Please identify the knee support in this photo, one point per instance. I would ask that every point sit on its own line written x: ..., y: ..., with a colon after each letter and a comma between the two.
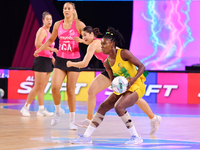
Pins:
x: 97, y: 119
x: 126, y: 118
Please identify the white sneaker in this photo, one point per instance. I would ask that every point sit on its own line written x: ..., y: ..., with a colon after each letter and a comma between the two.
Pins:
x: 134, y: 140
x: 25, y: 112
x: 72, y: 126
x: 82, y: 140
x: 155, y: 124
x: 56, y: 117
x: 44, y: 112
x: 83, y: 124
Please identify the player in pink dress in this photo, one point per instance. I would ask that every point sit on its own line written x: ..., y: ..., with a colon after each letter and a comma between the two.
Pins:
x: 42, y: 67
x: 66, y: 30
x: 102, y: 81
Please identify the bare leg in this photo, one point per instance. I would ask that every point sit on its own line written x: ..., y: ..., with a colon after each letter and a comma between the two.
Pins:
x: 100, y: 83
x: 127, y: 100
x: 97, y: 119
x: 108, y: 104
x: 56, y: 83
x: 72, y: 78
x: 155, y: 119
x: 103, y: 108
x: 38, y: 86
x: 41, y: 92
x: 145, y: 108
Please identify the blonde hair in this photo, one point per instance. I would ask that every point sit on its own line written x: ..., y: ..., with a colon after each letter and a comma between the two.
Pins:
x: 75, y: 15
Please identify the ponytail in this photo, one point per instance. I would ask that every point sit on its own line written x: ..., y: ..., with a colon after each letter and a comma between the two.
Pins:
x: 75, y: 15
x: 95, y: 31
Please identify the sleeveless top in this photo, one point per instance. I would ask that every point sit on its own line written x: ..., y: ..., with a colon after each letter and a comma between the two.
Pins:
x: 68, y: 48
x: 126, y: 69
x: 101, y: 56
x: 46, y: 53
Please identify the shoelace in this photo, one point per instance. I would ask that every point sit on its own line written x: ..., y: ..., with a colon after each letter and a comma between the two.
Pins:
x: 154, y: 123
x: 83, y: 138
x: 81, y: 135
x: 56, y: 116
x: 133, y: 137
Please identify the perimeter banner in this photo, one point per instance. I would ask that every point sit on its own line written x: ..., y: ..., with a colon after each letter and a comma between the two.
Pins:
x: 161, y: 87
x: 21, y: 82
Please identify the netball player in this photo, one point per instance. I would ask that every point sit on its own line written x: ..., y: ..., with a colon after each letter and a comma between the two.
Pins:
x: 66, y: 30
x: 102, y: 81
x: 119, y: 62
x: 42, y: 67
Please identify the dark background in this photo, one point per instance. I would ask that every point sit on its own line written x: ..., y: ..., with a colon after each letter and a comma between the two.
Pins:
x: 97, y: 14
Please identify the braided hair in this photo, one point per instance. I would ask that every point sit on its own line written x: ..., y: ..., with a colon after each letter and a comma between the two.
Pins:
x: 96, y: 31
x: 114, y: 35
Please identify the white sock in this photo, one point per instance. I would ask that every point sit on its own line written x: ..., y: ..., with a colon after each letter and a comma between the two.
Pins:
x: 28, y: 105
x: 41, y: 107
x: 154, y: 118
x: 58, y: 108
x: 71, y: 116
x: 89, y: 131
x: 133, y: 131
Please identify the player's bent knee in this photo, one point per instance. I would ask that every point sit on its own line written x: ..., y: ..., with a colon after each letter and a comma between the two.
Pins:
x: 91, y: 92
x: 102, y: 106
x: 119, y: 110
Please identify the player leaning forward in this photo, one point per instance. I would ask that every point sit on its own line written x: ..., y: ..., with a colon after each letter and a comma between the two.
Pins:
x: 120, y: 62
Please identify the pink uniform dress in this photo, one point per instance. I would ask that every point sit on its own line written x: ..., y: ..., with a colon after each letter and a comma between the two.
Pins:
x: 46, y: 53
x: 101, y: 56
x: 68, y: 48
x: 43, y: 63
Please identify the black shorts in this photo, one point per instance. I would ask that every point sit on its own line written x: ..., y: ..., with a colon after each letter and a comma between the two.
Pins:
x: 42, y: 64
x: 105, y: 73
x: 61, y: 64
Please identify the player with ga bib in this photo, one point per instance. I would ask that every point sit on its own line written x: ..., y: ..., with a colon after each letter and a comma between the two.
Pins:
x: 66, y: 30
x: 102, y: 81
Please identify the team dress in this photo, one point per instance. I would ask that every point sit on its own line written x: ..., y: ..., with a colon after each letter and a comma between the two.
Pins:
x: 43, y: 63
x: 68, y: 47
x: 102, y: 57
x: 127, y: 69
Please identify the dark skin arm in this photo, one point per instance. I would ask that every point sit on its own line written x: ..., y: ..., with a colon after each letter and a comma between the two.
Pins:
x: 128, y: 56
x: 109, y: 70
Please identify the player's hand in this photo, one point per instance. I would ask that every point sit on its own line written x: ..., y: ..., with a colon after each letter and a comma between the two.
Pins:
x: 68, y: 63
x: 36, y: 53
x: 53, y: 61
x: 130, y: 81
x: 79, y: 40
x: 55, y: 50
